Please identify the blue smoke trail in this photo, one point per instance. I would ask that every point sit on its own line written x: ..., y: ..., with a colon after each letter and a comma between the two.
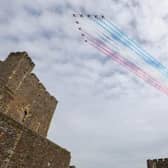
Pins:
x: 119, y: 36
x: 112, y: 42
x: 131, y: 43
x: 101, y: 46
x: 115, y: 44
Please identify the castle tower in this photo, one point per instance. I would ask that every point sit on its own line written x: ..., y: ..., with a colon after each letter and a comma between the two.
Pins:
x: 26, y: 110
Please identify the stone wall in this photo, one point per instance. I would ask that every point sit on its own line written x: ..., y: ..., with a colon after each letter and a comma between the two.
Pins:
x: 22, y: 148
x: 26, y: 110
x: 22, y: 96
x: 157, y: 163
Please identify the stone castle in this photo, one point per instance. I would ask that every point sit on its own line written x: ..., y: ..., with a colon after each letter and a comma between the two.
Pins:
x: 26, y: 110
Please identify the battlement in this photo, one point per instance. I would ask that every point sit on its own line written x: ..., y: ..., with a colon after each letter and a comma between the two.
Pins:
x: 22, y: 96
x: 157, y: 163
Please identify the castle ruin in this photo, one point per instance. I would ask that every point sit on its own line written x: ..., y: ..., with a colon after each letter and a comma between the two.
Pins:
x: 26, y: 110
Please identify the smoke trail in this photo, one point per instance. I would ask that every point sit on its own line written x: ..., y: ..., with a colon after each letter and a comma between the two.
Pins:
x: 115, y: 46
x: 119, y: 36
x: 96, y: 43
x: 100, y: 44
x: 125, y: 52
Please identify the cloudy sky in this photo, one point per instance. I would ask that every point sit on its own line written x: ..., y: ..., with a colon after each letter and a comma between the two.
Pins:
x: 106, y: 116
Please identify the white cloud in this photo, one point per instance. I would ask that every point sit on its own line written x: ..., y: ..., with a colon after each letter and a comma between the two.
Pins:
x: 106, y: 117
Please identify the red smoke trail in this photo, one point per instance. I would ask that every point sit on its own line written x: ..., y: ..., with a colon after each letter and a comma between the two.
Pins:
x: 96, y: 43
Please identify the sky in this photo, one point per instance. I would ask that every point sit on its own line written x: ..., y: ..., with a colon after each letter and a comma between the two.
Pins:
x: 106, y: 117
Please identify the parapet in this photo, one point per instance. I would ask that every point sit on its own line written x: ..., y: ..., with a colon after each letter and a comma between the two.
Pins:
x: 22, y: 96
x: 157, y: 163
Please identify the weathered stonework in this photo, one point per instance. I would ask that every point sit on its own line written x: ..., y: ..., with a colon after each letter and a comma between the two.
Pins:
x: 26, y: 109
x: 22, y: 96
x: 22, y: 148
x: 157, y: 163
